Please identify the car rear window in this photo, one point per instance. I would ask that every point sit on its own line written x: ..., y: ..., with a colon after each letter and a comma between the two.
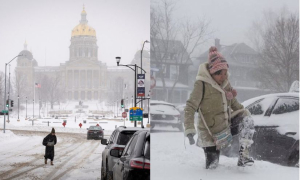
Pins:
x: 95, y: 128
x: 124, y: 137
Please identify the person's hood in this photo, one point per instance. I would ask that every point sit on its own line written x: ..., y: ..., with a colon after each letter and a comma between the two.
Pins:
x: 204, y: 75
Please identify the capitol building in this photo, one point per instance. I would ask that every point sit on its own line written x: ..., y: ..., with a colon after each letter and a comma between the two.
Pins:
x: 82, y: 77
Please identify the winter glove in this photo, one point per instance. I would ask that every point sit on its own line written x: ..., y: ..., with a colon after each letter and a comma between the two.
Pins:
x: 234, y: 93
x: 191, y: 139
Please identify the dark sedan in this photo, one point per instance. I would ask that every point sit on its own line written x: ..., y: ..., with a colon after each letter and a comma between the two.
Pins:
x: 95, y: 132
x: 134, y: 163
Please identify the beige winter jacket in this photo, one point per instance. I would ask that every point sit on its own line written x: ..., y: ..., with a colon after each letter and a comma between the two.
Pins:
x: 214, y: 107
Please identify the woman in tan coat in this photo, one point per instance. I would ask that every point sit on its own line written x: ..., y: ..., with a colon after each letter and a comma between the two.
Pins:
x: 214, y: 99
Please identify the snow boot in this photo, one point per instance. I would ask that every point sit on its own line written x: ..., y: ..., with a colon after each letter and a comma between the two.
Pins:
x: 52, y: 163
x: 212, y: 157
x: 45, y: 161
x: 244, y: 157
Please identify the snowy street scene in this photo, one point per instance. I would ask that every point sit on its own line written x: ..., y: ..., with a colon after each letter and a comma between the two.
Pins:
x: 90, y: 89
x: 76, y: 157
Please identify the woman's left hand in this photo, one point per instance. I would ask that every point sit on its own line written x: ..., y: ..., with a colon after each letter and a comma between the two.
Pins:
x: 234, y: 93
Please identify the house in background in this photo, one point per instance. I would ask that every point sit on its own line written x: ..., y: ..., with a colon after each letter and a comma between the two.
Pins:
x: 171, y: 61
x: 242, y: 61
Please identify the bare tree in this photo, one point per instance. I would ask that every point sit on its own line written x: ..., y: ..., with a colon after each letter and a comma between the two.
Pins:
x: 51, y: 89
x: 1, y: 88
x: 276, y: 39
x: 21, y: 85
x: 173, y: 40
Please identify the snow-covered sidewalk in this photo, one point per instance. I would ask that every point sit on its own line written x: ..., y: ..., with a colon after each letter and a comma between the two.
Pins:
x: 170, y: 160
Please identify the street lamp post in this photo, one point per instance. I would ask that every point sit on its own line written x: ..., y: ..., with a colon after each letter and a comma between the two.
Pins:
x: 118, y: 59
x: 26, y: 107
x: 18, y: 107
x: 141, y: 70
x: 40, y: 108
x: 148, y: 107
x: 4, y: 99
x: 32, y: 111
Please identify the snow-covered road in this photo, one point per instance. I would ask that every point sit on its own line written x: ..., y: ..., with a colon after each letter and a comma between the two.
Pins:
x: 75, y: 157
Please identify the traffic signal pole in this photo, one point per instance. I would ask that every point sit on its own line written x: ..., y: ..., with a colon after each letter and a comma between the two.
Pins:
x: 4, y: 99
x: 4, y: 104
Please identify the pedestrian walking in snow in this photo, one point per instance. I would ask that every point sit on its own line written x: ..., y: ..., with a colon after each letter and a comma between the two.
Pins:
x: 49, y: 141
x: 220, y: 114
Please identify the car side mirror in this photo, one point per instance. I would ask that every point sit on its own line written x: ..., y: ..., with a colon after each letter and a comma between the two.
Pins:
x: 123, y: 158
x: 87, y: 128
x: 104, y: 141
x: 115, y: 153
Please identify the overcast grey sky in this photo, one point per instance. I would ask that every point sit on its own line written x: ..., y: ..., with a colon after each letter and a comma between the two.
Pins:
x: 121, y: 27
x: 230, y: 19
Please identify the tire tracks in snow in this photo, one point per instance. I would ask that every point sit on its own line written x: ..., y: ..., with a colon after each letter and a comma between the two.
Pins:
x: 83, y: 159
x: 26, y: 164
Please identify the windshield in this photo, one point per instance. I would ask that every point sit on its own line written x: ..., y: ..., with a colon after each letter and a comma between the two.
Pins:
x: 95, y: 128
x: 124, y: 137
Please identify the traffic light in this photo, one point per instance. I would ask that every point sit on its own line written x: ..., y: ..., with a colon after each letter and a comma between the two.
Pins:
x: 7, y: 103
x: 122, y: 103
x: 11, y: 103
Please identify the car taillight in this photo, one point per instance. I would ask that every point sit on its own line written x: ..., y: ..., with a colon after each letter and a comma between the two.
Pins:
x: 147, y: 166
x: 139, y: 164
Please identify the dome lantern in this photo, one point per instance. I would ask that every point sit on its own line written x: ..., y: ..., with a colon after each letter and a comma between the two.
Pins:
x: 83, y: 29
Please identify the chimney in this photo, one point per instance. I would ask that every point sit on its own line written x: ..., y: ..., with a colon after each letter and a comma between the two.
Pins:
x: 217, y: 44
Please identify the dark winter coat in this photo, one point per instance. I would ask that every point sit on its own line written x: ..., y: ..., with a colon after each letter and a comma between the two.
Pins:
x: 214, y: 107
x: 49, y: 152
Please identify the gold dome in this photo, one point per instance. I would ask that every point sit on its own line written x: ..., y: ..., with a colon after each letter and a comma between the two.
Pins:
x: 83, y: 30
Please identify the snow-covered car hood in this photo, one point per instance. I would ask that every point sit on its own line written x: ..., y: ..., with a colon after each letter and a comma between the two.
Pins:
x: 163, y: 109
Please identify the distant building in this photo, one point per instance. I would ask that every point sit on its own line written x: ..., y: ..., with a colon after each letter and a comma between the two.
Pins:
x: 82, y: 77
x: 242, y: 61
x: 171, y: 61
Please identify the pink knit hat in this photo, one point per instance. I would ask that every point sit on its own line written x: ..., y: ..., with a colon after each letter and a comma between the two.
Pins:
x: 216, y: 61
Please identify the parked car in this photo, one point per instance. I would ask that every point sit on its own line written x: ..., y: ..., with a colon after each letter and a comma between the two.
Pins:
x: 117, y: 141
x: 134, y: 163
x: 95, y: 132
x: 165, y: 114
x: 276, y: 137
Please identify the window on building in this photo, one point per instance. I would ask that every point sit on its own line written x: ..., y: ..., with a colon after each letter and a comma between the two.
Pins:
x: 89, y: 95
x: 76, y: 78
x: 174, y: 72
x: 184, y: 96
x: 76, y: 95
x: 82, y: 78
x: 82, y: 95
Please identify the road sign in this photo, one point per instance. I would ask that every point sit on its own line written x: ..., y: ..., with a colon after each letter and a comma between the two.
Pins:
x: 136, y: 114
x: 124, y: 115
x: 4, y: 111
x: 141, y: 85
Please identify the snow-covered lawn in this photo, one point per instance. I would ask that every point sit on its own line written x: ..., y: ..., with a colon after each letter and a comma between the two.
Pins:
x: 170, y: 160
